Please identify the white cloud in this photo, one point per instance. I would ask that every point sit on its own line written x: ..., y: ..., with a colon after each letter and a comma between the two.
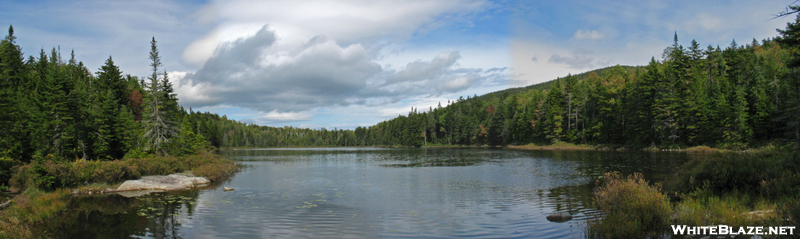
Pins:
x: 250, y: 73
x: 591, y: 35
x: 275, y: 116
x: 346, y: 22
x: 257, y: 74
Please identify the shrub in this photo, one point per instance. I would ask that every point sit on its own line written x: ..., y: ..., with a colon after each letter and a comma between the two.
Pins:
x: 49, y: 174
x: 767, y: 173
x: 6, y: 168
x: 156, y: 165
x: 632, y: 207
x: 735, y: 210
x: 32, y: 175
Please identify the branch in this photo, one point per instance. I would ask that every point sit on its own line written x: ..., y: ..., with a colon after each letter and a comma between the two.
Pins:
x: 788, y: 11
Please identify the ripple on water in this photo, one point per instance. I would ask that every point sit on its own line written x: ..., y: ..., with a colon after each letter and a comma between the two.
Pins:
x: 439, y: 193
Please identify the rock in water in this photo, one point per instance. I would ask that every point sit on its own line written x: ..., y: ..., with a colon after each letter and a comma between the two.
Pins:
x: 166, y: 183
x: 559, y: 217
x: 227, y: 189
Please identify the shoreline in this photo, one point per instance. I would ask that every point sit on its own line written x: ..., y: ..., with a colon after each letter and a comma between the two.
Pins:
x: 31, y: 205
x: 556, y: 146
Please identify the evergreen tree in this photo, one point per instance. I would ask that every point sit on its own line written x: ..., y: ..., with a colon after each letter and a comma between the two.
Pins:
x: 159, y: 124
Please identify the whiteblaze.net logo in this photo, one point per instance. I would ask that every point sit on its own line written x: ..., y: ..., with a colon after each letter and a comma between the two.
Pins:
x: 728, y: 230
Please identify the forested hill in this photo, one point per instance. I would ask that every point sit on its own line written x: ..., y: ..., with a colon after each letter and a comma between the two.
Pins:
x: 549, y: 84
x: 734, y: 97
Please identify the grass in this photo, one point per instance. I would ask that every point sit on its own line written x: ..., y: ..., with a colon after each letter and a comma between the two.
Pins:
x: 754, y: 188
x: 633, y: 209
x: 731, y: 210
x: 31, y: 208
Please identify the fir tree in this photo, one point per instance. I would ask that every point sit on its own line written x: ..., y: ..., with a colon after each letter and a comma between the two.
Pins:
x: 159, y: 126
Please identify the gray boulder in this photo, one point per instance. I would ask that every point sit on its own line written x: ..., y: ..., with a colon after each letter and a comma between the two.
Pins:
x: 167, y: 183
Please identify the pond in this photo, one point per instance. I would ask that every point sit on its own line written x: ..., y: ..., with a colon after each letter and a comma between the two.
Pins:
x: 373, y: 192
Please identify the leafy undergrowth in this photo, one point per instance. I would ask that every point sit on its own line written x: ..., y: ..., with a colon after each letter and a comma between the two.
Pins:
x: 731, y: 210
x: 759, y: 188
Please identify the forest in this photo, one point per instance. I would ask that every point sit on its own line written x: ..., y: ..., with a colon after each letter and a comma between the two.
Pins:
x: 736, y: 97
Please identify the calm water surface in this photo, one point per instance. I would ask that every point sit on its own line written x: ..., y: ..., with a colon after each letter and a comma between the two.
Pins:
x: 373, y: 192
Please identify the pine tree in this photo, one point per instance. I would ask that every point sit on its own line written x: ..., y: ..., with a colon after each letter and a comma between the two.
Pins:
x: 159, y: 126
x: 13, y: 138
x: 105, y: 140
x: 789, y: 114
x: 554, y: 114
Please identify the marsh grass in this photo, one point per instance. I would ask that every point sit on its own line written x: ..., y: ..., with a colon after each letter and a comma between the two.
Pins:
x: 632, y: 207
x: 31, y: 208
x: 732, y: 210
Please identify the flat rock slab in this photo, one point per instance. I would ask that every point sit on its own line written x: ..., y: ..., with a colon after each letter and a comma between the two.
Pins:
x: 133, y: 194
x: 167, y: 183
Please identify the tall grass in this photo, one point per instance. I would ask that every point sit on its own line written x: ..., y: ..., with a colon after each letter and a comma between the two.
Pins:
x: 31, y: 208
x: 732, y: 210
x: 633, y: 209
x: 768, y: 173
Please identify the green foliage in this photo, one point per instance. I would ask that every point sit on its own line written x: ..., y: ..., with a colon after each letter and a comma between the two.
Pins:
x: 6, y: 169
x: 632, y: 207
x: 50, y: 175
x: 769, y: 174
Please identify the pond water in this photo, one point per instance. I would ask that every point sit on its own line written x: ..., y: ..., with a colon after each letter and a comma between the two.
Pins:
x: 373, y: 192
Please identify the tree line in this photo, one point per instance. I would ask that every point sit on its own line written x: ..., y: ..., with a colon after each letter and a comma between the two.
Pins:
x: 60, y: 109
x: 735, y: 97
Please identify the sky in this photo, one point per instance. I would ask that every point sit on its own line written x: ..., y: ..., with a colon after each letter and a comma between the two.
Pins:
x: 350, y: 63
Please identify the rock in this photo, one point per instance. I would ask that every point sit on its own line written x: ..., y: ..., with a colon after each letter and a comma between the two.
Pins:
x: 76, y: 191
x: 167, y: 183
x: 133, y: 194
x: 6, y: 204
x: 226, y: 189
x: 559, y: 217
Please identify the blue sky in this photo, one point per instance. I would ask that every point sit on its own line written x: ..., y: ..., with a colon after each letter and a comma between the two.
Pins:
x: 345, y: 64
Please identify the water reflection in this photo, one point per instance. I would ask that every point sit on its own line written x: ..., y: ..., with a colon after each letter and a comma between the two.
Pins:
x: 357, y: 193
x: 156, y: 215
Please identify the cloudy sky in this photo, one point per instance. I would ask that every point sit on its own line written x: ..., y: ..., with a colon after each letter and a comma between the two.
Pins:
x: 347, y: 63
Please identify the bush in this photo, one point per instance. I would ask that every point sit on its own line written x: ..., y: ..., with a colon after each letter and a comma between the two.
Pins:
x: 632, y: 207
x: 157, y: 165
x: 768, y: 173
x: 735, y: 210
x: 6, y: 169
x: 32, y: 175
